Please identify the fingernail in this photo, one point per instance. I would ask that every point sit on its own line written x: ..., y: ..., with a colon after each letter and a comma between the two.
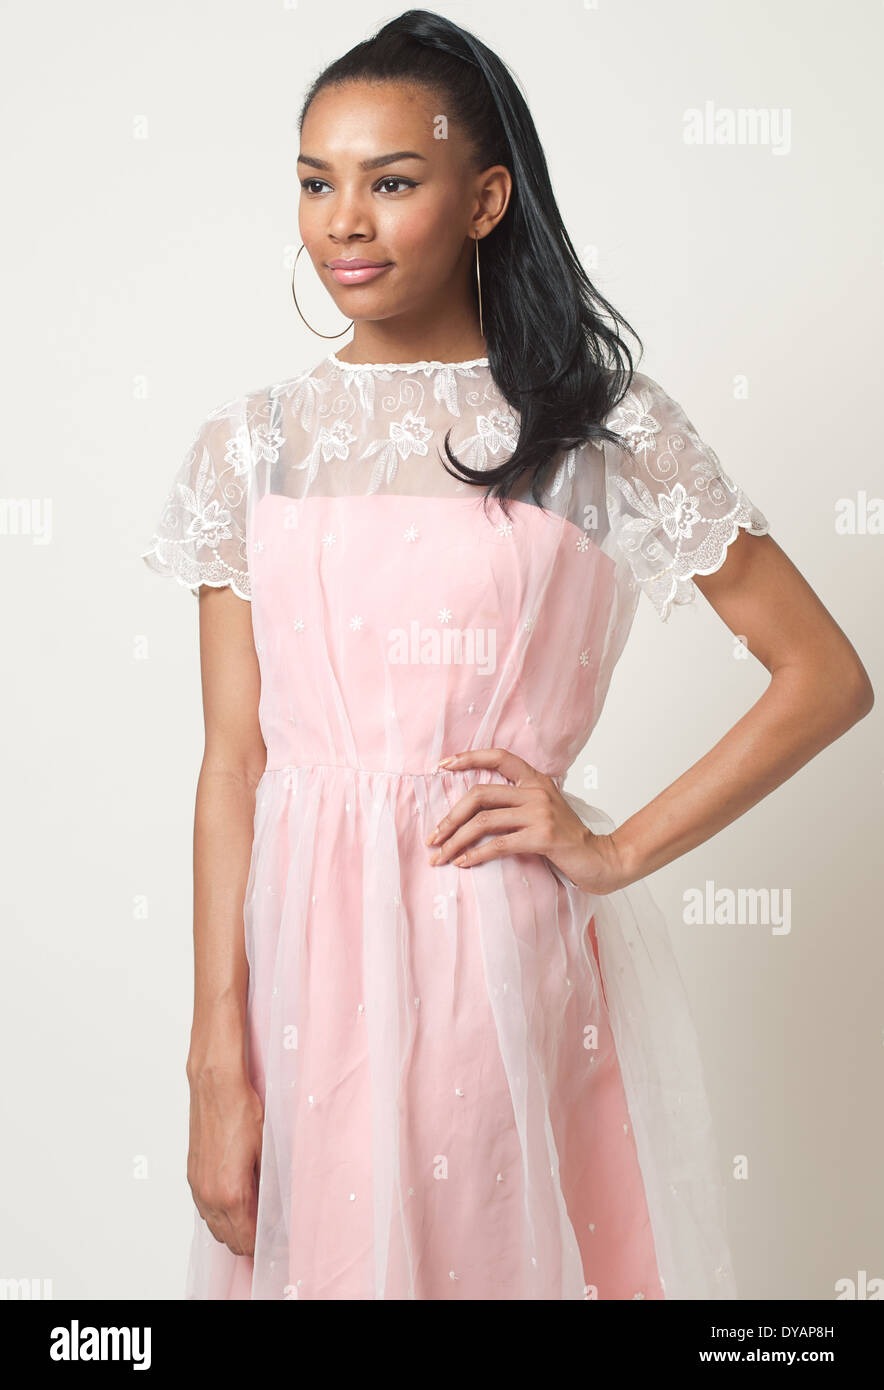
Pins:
x: 446, y: 762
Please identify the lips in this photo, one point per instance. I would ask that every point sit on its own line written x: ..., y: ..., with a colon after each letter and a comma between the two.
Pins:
x: 355, y: 271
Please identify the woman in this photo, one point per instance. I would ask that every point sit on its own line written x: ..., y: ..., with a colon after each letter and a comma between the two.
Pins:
x: 440, y: 1046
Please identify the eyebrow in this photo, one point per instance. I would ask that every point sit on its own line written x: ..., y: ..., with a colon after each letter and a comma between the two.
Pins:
x: 376, y: 163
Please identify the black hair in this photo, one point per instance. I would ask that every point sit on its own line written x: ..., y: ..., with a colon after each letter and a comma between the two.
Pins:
x: 553, y: 355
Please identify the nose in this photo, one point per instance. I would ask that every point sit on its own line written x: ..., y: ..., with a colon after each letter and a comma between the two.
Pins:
x: 349, y: 218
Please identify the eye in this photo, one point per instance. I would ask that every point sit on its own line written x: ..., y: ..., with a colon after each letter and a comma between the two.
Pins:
x: 315, y: 186
x: 408, y: 183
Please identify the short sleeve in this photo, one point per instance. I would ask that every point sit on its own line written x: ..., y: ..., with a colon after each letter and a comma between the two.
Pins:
x: 672, y: 508
x: 200, y: 535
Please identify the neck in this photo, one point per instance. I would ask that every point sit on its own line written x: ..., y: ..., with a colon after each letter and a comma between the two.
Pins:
x: 382, y: 342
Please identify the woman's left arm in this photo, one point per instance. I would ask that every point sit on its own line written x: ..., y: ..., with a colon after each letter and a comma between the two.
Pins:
x: 819, y: 689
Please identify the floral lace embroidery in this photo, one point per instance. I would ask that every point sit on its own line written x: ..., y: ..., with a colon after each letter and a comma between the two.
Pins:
x: 672, y: 508
x: 350, y: 391
x: 684, y: 521
x: 200, y: 537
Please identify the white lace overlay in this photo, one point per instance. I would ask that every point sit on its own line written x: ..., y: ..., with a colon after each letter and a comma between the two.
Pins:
x: 200, y: 537
x: 670, y: 509
x: 674, y: 511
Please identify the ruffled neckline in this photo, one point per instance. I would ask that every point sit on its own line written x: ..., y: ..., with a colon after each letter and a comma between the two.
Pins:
x: 405, y: 366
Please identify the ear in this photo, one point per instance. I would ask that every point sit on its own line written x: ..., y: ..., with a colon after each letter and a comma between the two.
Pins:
x: 493, y: 193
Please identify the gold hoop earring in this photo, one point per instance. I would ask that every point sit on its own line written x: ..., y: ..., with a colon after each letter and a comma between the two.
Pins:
x: 298, y: 307
x: 479, y: 288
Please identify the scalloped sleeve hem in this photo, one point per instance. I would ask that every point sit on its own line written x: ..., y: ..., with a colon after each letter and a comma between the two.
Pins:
x: 668, y: 590
x: 214, y: 574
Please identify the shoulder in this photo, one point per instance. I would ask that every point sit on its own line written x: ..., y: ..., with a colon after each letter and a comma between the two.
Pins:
x: 250, y: 407
x: 642, y: 409
x: 653, y: 425
x: 259, y: 406
x: 236, y: 432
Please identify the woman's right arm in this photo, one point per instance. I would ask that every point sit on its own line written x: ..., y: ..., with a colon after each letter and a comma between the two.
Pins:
x: 226, y: 1114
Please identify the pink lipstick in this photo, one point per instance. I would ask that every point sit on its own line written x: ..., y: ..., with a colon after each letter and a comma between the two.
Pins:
x: 353, y: 271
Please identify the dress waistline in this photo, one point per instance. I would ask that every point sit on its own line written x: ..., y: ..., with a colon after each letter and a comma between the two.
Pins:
x: 558, y: 778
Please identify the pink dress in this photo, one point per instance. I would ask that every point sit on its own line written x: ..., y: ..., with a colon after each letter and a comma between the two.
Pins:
x: 478, y: 1083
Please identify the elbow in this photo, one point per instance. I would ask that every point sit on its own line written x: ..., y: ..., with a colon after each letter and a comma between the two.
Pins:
x: 245, y: 774
x: 856, y: 694
x: 862, y: 695
x: 836, y: 696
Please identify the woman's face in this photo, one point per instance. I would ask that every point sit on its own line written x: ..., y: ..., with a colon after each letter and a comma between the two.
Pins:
x: 414, y: 215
